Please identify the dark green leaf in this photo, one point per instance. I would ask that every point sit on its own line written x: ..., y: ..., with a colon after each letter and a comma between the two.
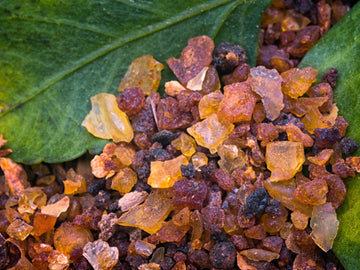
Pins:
x: 55, y: 55
x: 340, y: 48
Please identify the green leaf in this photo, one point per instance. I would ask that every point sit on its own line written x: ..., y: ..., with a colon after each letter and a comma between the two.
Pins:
x: 55, y: 55
x: 340, y: 48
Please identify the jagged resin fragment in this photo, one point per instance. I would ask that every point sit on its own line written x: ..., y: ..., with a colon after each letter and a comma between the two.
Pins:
x: 170, y: 232
x: 30, y: 199
x: 163, y: 174
x: 107, y: 121
x: 284, y: 159
x: 124, y: 180
x: 43, y: 223
x: 132, y: 199
x: 237, y: 104
x: 315, y: 119
x: 144, y: 72
x: 267, y: 83
x: 58, y: 261
x: 74, y: 183
x: 209, y: 104
x: 57, y: 208
x: 193, y: 59
x: 69, y: 237
x: 15, y: 176
x: 256, y: 254
x: 284, y: 191
x: 149, y: 215
x: 19, y: 229
x: 313, y: 192
x: 297, y: 82
x: 100, y: 255
x: 231, y: 157
x: 324, y: 225
x: 199, y: 159
x: 186, y: 144
x: 210, y: 132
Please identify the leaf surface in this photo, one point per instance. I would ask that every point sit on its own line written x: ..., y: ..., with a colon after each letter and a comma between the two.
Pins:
x: 55, y: 55
x: 340, y: 48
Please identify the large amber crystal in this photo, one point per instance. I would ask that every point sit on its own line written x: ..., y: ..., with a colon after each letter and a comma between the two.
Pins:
x: 165, y: 173
x: 210, y: 132
x: 107, y: 121
x: 284, y: 159
x: 149, y: 215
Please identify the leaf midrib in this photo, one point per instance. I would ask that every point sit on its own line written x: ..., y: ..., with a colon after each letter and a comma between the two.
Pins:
x: 143, y: 32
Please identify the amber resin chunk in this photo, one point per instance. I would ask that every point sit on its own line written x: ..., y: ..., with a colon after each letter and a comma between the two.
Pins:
x: 237, y: 104
x: 193, y: 59
x: 69, y: 237
x: 267, y: 84
x: 315, y: 119
x: 284, y: 191
x: 107, y: 121
x: 256, y: 254
x: 186, y: 144
x: 209, y: 104
x: 144, y: 72
x: 163, y: 174
x: 297, y: 82
x: 57, y: 208
x: 284, y: 159
x: 74, y: 183
x: 15, y: 176
x: 30, y: 199
x: 19, y: 229
x: 312, y: 192
x: 324, y: 225
x: 43, y: 223
x: 124, y: 180
x: 100, y: 255
x: 149, y: 215
x: 210, y: 132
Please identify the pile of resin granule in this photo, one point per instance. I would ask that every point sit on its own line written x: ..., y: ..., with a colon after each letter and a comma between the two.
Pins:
x: 233, y: 168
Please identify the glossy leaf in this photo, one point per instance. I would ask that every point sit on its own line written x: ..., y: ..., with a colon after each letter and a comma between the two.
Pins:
x: 340, y: 48
x: 55, y: 55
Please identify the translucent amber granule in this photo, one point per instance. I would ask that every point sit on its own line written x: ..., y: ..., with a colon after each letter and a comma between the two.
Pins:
x: 100, y: 255
x: 163, y: 174
x: 256, y: 254
x: 199, y: 159
x: 267, y: 83
x: 30, y: 199
x: 55, y: 209
x: 237, y: 104
x: 69, y: 237
x: 58, y: 261
x: 74, y: 183
x: 297, y: 82
x: 19, y: 229
x: 315, y: 119
x: 284, y: 159
x: 186, y: 144
x: 231, y: 157
x: 149, y: 215
x: 209, y: 104
x: 107, y: 121
x: 294, y: 21
x: 144, y: 72
x: 43, y: 223
x: 124, y: 180
x: 210, y: 132
x: 324, y: 225
x: 15, y: 176
x: 284, y: 191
